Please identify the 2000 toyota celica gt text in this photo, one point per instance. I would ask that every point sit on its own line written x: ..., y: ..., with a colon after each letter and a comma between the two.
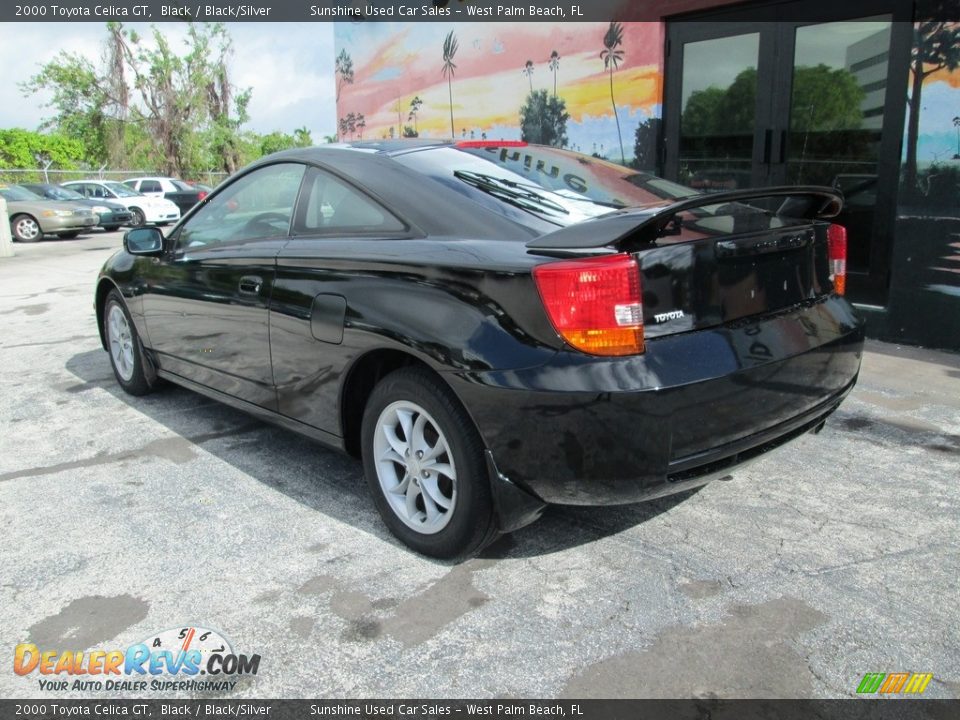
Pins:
x: 494, y: 327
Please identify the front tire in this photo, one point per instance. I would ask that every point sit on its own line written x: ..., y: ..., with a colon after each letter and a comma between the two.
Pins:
x: 424, y: 463
x: 68, y: 235
x: 25, y: 229
x: 137, y: 218
x: 125, y: 349
x: 111, y: 228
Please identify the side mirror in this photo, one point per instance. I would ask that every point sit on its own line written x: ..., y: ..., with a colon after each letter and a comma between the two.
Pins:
x: 143, y: 241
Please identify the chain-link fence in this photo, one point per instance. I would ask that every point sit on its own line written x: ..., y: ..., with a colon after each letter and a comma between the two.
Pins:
x: 17, y: 176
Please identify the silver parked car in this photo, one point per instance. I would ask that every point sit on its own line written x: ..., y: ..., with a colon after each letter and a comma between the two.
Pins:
x: 32, y: 217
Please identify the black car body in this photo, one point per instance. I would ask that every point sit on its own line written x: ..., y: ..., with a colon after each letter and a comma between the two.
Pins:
x: 111, y: 215
x: 477, y: 269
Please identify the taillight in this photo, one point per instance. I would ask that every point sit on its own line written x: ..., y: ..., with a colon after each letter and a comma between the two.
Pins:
x: 201, y: 195
x: 594, y: 304
x: 837, y: 252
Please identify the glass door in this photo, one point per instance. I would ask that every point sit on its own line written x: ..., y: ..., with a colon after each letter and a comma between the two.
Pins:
x: 718, y: 113
x: 835, y: 125
x: 791, y: 102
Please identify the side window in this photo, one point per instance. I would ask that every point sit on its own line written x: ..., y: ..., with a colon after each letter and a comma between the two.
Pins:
x: 83, y: 189
x: 99, y: 191
x: 150, y: 186
x: 260, y: 204
x: 330, y: 206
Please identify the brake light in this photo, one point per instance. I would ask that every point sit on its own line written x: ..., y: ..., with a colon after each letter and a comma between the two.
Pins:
x: 837, y: 252
x: 490, y: 143
x: 594, y: 304
x: 201, y: 195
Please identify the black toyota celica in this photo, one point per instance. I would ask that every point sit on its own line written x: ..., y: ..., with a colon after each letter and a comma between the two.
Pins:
x: 495, y: 326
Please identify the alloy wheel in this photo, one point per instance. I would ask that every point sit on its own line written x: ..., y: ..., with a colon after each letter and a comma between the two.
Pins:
x: 121, y: 342
x: 415, y: 467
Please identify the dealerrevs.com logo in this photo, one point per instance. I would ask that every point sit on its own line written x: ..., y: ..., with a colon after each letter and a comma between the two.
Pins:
x: 179, y: 659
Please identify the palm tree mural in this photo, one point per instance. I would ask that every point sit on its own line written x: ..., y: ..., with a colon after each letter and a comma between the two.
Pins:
x: 554, y: 66
x: 450, y: 46
x: 956, y: 124
x: 611, y: 56
x: 528, y: 71
x: 415, y: 106
x: 343, y: 69
x: 361, y: 123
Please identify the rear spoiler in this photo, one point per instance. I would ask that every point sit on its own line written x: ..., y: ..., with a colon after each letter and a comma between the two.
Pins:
x: 645, y: 225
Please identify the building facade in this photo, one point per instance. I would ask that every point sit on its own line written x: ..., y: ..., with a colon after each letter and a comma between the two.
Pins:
x: 863, y: 96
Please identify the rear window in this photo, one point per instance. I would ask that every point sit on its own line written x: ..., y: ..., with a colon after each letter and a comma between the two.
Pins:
x: 182, y: 186
x: 559, y: 187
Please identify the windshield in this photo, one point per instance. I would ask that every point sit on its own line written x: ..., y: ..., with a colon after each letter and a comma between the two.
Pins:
x: 559, y: 186
x: 15, y: 192
x: 58, y: 193
x: 121, y: 190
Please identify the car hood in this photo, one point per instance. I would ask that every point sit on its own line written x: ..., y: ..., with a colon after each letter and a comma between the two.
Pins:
x: 39, y: 206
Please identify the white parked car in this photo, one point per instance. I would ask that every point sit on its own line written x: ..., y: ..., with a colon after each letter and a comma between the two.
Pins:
x: 176, y: 191
x: 157, y: 211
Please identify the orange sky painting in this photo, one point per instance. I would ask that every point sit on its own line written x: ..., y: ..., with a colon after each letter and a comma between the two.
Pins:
x: 395, y: 62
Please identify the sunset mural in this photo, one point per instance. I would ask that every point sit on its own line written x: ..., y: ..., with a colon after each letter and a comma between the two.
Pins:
x: 394, y: 63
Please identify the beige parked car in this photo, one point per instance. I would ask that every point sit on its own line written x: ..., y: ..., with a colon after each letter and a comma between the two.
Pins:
x: 32, y: 216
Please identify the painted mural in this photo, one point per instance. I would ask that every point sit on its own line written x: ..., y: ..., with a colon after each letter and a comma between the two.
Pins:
x: 592, y: 87
x: 926, y: 261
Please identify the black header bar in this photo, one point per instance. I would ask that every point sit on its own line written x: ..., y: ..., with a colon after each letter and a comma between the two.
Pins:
x: 156, y: 11
x: 852, y: 709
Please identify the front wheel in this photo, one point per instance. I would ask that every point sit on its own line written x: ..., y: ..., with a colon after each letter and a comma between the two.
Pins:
x: 25, y: 229
x: 123, y: 343
x: 137, y: 218
x: 424, y: 462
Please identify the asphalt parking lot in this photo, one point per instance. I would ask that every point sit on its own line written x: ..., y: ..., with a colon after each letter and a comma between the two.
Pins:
x: 123, y: 517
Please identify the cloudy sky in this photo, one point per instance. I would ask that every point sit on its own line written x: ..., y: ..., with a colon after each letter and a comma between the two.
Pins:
x: 288, y: 65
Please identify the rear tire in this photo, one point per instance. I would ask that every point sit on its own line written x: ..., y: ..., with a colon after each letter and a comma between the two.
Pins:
x: 68, y: 235
x: 111, y: 228
x: 25, y: 229
x: 126, y: 352
x: 424, y: 462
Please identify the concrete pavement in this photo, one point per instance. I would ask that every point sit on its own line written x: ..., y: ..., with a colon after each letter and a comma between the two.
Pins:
x: 124, y: 517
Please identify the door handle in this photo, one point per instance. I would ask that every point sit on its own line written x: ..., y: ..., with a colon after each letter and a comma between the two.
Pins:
x: 251, y: 284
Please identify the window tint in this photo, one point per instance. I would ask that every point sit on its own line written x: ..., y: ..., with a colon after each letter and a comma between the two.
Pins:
x: 260, y: 204
x: 150, y: 186
x: 331, y: 207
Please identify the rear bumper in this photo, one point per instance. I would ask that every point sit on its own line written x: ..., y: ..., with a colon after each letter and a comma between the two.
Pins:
x: 582, y: 430
x: 156, y: 215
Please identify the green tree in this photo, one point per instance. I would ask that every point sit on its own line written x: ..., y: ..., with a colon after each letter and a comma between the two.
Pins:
x: 543, y: 119
x: 185, y: 103
x: 302, y: 137
x: 79, y: 101
x: 275, y: 142
x: 450, y: 46
x: 645, y: 144
x: 25, y: 149
x: 528, y: 71
x: 612, y: 56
